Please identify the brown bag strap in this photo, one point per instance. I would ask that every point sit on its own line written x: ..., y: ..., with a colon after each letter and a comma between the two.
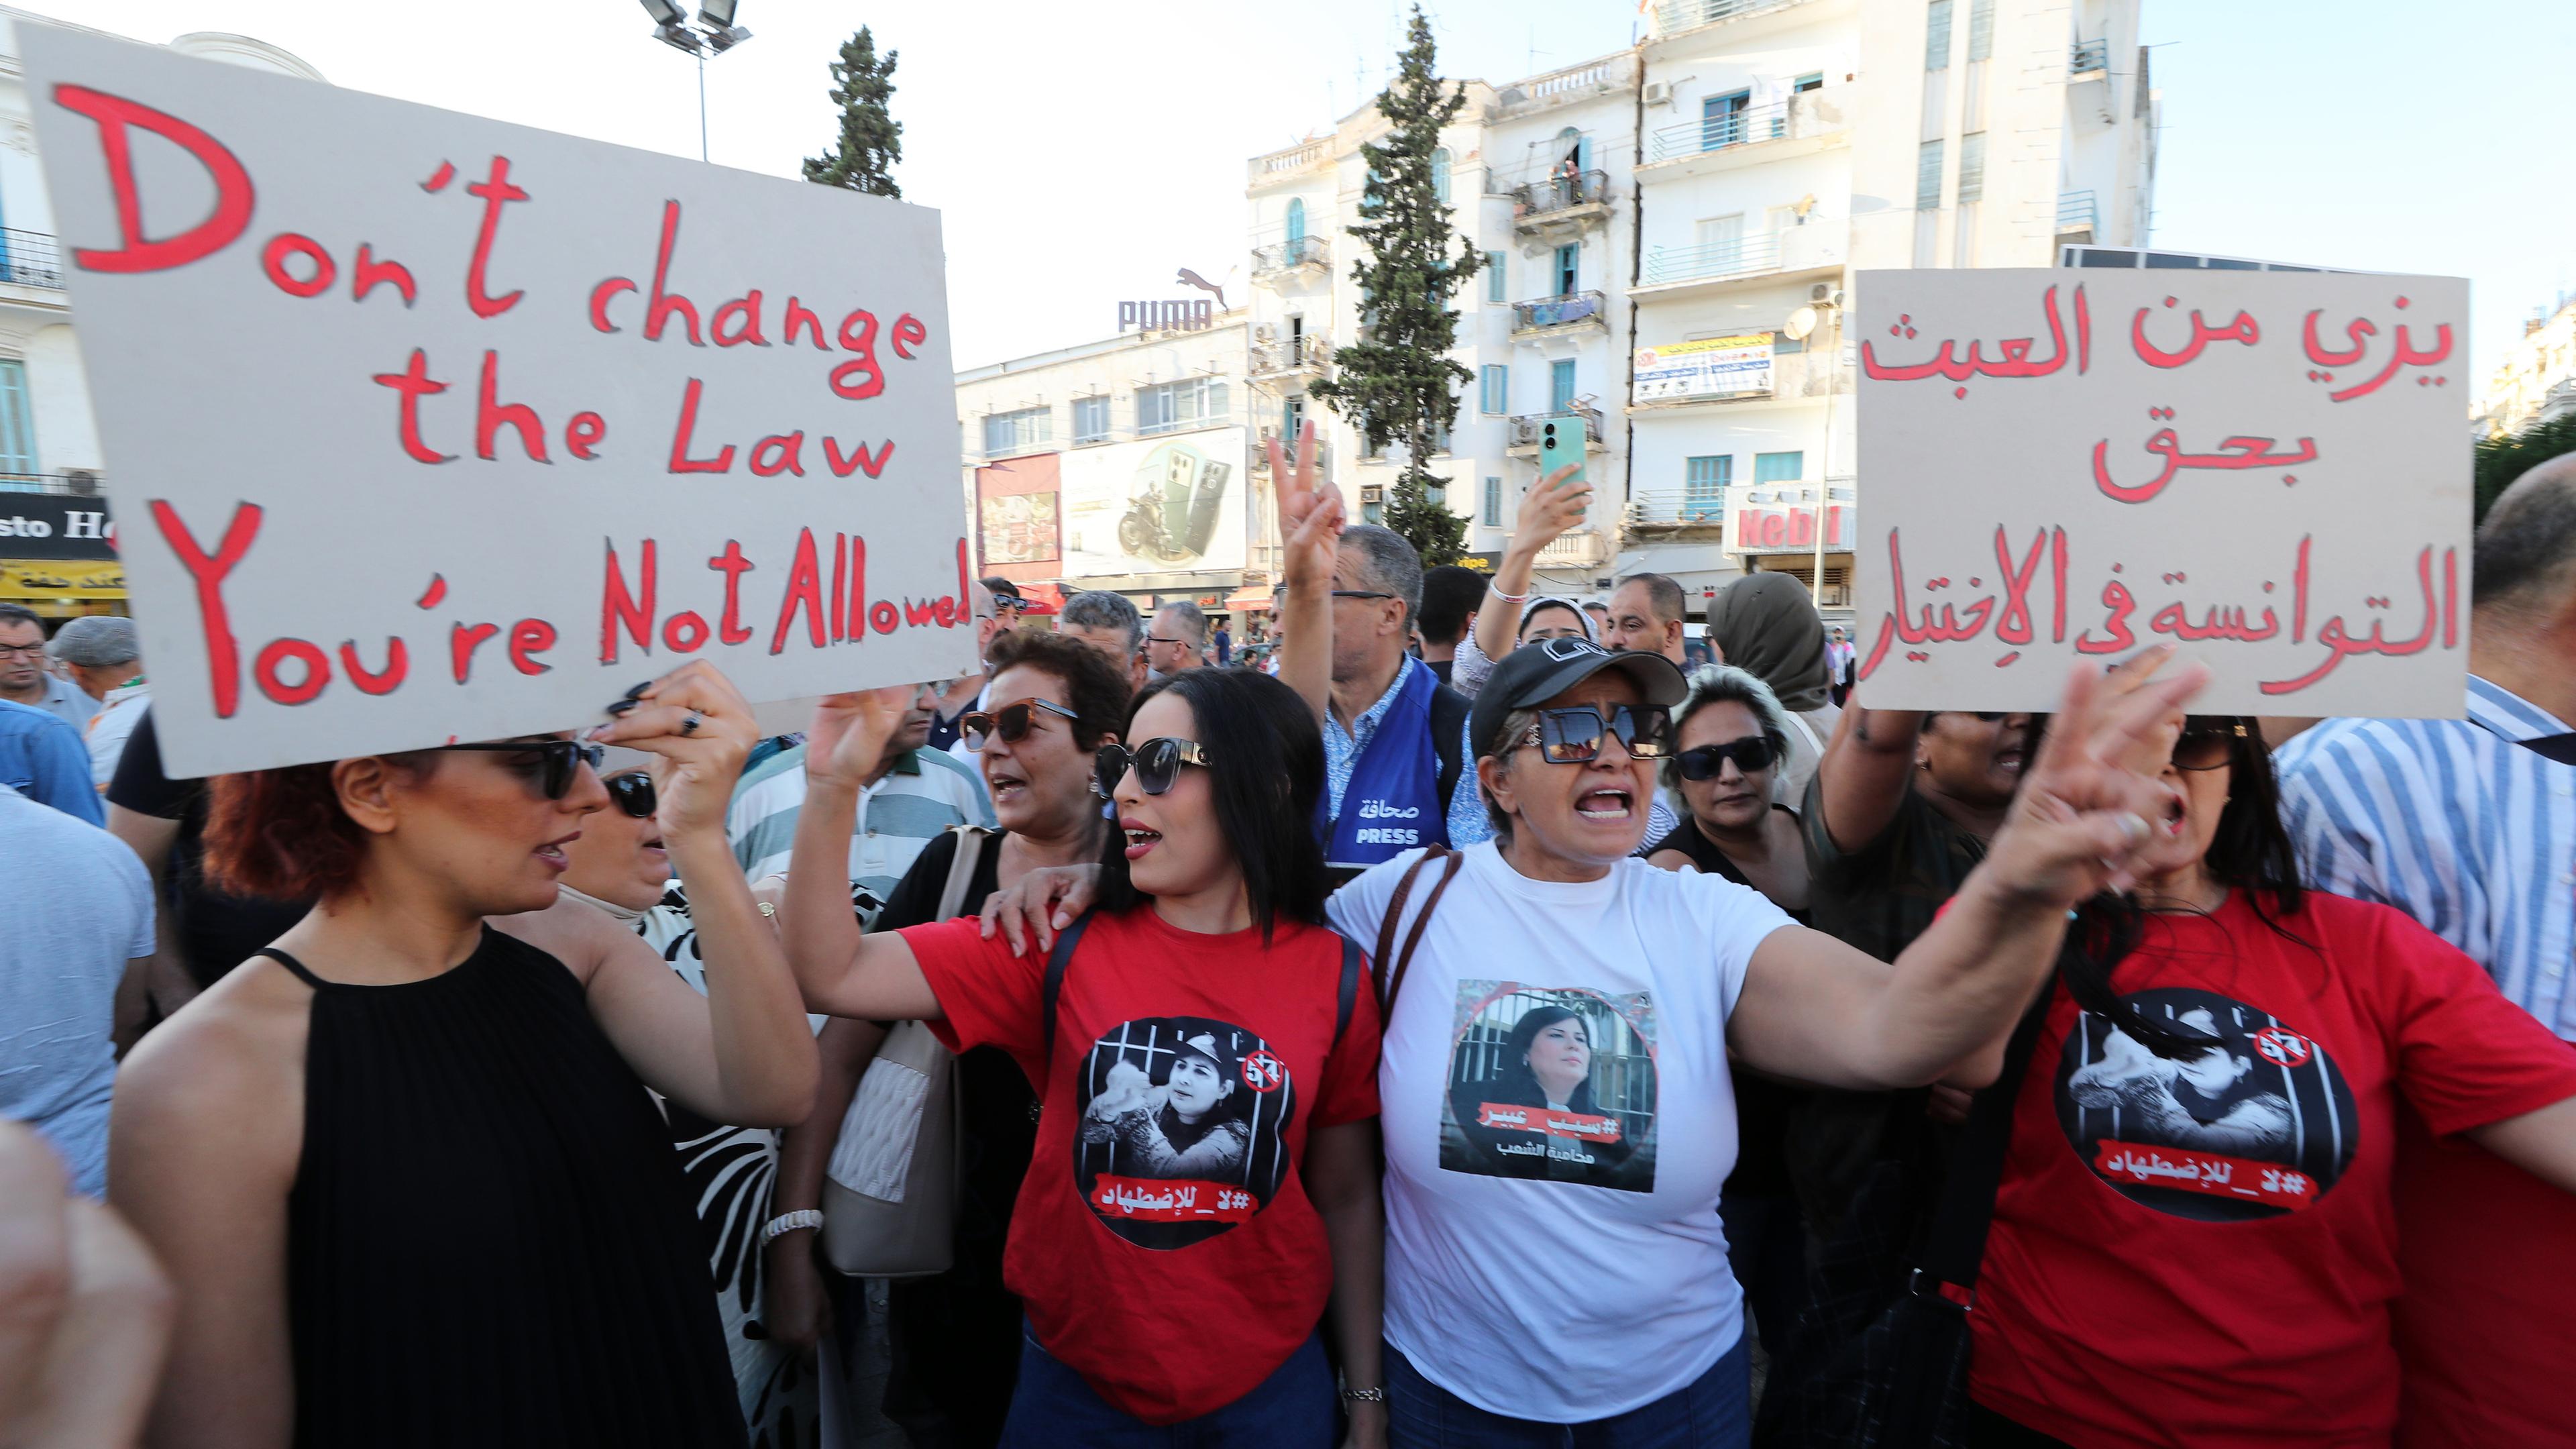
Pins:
x: 1386, y: 953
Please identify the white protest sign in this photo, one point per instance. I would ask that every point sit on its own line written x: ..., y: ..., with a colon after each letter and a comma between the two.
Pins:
x: 422, y: 427
x: 2269, y: 470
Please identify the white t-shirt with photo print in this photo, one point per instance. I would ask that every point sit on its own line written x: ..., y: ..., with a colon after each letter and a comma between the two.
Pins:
x: 1558, y: 1123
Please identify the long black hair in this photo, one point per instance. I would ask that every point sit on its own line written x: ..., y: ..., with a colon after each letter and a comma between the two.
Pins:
x: 1266, y: 770
x: 1517, y: 1076
x: 2250, y: 852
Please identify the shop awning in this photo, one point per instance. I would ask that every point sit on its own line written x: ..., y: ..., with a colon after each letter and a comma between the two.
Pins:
x: 1042, y: 598
x: 1249, y: 598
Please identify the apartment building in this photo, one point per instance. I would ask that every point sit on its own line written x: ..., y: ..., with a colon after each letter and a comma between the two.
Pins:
x: 2536, y: 382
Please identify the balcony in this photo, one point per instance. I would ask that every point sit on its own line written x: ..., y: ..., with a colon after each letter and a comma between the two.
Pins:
x: 1820, y: 245
x: 2079, y: 217
x: 1292, y: 356
x: 30, y: 259
x: 1675, y: 16
x: 1563, y: 87
x: 2090, y: 60
x: 1579, y: 548
x: 1525, y: 429
x: 1292, y: 161
x: 1555, y: 316
x: 1756, y: 134
x: 74, y: 482
x: 1282, y: 259
x: 1677, y: 511
x: 1288, y: 446
x: 1568, y: 201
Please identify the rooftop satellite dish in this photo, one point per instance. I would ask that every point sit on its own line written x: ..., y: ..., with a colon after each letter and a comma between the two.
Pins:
x: 1801, y: 322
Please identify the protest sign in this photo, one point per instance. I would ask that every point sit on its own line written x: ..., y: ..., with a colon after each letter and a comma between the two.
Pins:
x: 425, y: 427
x: 2269, y: 470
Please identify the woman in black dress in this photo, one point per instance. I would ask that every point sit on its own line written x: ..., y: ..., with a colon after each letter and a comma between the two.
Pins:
x: 401, y: 1167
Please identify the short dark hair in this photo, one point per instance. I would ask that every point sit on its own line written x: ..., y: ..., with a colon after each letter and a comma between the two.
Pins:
x: 1662, y: 594
x: 1266, y: 764
x: 1100, y: 609
x: 1096, y: 688
x: 2528, y: 538
x: 1000, y: 585
x: 20, y: 614
x: 1450, y: 597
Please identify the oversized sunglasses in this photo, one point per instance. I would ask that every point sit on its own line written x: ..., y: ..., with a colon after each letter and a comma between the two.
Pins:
x: 2206, y: 744
x: 1011, y: 721
x: 633, y: 793
x: 1750, y: 754
x: 1157, y: 764
x: 558, y: 759
x: 1573, y: 736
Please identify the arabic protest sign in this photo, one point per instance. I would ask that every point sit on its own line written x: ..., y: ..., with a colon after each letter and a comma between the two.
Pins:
x: 1709, y: 367
x: 424, y: 426
x: 2266, y: 469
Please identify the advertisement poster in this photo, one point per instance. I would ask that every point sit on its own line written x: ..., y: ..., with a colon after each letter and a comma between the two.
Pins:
x: 1156, y: 505
x: 1710, y: 367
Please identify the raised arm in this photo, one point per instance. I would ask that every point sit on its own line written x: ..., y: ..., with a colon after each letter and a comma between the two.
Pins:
x: 1816, y: 1009
x: 841, y: 971
x: 1864, y: 772
x: 1548, y: 509
x: 1310, y: 524
x: 742, y: 1054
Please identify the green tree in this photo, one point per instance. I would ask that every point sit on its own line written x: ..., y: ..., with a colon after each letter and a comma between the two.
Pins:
x: 1397, y: 383
x: 2507, y: 456
x: 871, y: 140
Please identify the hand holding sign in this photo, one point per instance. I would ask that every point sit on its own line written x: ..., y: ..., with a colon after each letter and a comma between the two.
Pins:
x: 697, y: 722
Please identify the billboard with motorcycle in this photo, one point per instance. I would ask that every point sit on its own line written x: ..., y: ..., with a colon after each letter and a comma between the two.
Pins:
x: 1156, y: 505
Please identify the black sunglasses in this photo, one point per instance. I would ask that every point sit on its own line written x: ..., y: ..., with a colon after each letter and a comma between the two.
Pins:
x: 2206, y: 744
x: 632, y: 792
x: 1011, y: 721
x: 1157, y: 763
x: 1750, y: 754
x: 560, y: 757
x: 1573, y: 736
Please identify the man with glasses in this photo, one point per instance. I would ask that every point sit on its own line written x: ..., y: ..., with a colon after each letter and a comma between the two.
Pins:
x: 1395, y: 737
x: 914, y: 794
x: 24, y: 679
x: 1176, y: 640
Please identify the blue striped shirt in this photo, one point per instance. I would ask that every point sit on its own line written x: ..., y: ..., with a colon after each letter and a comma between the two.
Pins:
x: 2455, y: 824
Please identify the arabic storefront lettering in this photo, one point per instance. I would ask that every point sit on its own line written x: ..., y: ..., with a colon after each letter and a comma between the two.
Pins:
x: 61, y: 579
x: 1708, y: 367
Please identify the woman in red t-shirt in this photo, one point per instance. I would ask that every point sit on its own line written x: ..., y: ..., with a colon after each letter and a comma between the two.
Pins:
x: 2194, y: 1243
x: 1205, y: 1178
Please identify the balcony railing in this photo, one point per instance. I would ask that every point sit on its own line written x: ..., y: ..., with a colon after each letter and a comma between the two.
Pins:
x: 1534, y: 201
x: 1526, y: 427
x: 1574, y: 549
x: 77, y: 482
x: 1569, y: 310
x: 1806, y: 114
x: 30, y: 259
x: 1789, y: 249
x: 1288, y: 449
x: 1677, y: 507
x: 1281, y: 256
x: 1021, y: 448
x: 2077, y: 211
x: 1677, y: 15
x: 1308, y: 353
x: 2090, y: 57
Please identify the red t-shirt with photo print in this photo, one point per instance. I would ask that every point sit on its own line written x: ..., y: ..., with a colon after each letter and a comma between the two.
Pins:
x: 1163, y: 1243
x: 2202, y: 1254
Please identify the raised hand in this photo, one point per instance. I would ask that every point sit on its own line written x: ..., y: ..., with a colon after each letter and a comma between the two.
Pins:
x: 848, y: 737
x: 2091, y: 805
x: 1552, y: 505
x: 698, y: 723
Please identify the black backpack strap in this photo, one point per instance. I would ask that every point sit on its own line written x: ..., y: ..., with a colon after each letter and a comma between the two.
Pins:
x: 1057, y: 961
x: 1449, y: 710
x: 1351, y: 964
x: 1957, y: 1245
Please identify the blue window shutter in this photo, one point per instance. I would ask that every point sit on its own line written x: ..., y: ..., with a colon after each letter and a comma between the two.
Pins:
x: 1560, y: 384
x: 1440, y: 174
x: 1494, y: 291
x: 1296, y: 222
x: 17, y: 425
x: 1779, y: 467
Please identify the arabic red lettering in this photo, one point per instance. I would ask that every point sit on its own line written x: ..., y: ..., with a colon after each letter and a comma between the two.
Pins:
x: 2014, y: 628
x: 2116, y: 598
x: 2241, y: 329
x: 2340, y: 643
x: 2013, y: 359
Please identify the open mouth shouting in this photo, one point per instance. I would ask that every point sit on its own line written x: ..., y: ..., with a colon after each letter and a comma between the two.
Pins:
x: 655, y: 852
x: 1140, y: 839
x: 1006, y: 785
x: 1608, y: 804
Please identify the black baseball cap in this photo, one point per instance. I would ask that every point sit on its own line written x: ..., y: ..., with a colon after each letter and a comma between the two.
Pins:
x: 1540, y: 671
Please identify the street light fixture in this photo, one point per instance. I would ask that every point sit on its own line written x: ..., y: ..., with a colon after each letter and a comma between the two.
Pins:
x: 716, y: 34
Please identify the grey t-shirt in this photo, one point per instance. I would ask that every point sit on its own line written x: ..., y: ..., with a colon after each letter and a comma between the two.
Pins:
x: 81, y: 908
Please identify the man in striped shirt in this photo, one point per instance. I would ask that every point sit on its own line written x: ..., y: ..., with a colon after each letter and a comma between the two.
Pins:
x: 2469, y: 826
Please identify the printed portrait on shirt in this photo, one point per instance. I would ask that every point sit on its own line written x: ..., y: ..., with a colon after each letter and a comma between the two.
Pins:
x: 1183, y: 1129
x: 2258, y: 1125
x: 1554, y: 1083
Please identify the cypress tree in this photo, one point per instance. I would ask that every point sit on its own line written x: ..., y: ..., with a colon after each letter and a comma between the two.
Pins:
x: 871, y: 140
x: 1398, y: 383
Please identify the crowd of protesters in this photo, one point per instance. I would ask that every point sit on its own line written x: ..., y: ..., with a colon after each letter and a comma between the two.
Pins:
x: 1444, y: 1014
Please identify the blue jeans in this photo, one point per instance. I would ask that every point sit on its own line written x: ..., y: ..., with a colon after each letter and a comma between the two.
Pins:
x: 1714, y: 1413
x: 1292, y: 1409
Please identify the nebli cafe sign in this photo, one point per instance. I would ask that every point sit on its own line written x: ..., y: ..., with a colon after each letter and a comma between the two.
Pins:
x: 426, y: 427
x: 1770, y: 520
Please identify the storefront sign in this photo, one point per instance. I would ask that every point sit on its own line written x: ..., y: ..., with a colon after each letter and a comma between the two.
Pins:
x: 61, y: 579
x: 1711, y: 367
x: 2266, y: 469
x: 1770, y: 519
x: 55, y: 525
x: 1165, y: 316
x: 535, y: 417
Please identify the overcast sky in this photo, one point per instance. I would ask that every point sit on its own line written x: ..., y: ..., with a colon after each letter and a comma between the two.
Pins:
x: 1081, y: 153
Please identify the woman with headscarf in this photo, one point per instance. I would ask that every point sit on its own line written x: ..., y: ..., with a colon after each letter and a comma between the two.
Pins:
x: 1766, y: 624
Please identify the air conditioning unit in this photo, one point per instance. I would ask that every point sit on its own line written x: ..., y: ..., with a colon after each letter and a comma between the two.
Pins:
x: 1825, y: 294
x: 1372, y: 493
x: 1659, y: 93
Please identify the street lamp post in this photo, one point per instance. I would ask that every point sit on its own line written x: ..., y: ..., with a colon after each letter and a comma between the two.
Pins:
x: 716, y: 34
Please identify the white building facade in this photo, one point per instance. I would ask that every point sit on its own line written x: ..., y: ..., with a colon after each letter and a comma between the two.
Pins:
x: 2536, y: 382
